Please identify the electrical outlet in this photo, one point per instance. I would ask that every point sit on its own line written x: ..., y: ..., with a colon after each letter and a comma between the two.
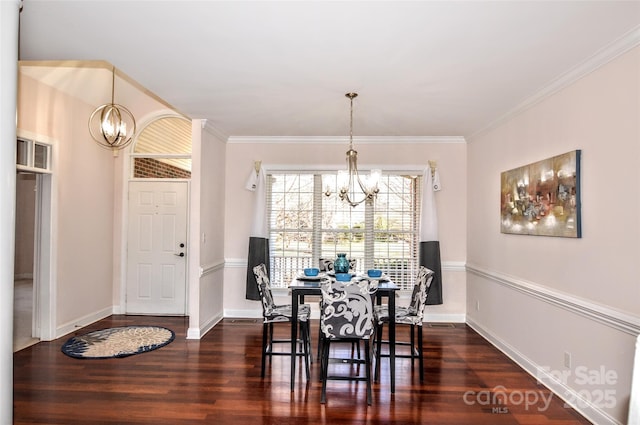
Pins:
x: 477, y: 305
x: 567, y: 360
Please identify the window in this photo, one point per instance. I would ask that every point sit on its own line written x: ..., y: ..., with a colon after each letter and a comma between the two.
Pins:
x: 163, y: 149
x: 305, y: 225
x: 33, y: 156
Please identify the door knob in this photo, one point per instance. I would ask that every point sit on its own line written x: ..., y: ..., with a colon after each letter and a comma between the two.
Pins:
x: 179, y: 255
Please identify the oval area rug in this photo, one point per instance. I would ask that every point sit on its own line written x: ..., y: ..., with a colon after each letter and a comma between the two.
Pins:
x: 117, y: 342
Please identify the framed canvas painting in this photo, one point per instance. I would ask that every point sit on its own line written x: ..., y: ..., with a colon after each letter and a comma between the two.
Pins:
x: 542, y: 198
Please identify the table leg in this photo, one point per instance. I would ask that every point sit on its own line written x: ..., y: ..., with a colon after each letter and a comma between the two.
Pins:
x: 294, y: 336
x: 392, y: 340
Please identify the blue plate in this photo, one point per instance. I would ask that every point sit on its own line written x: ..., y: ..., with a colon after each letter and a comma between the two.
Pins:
x: 343, y: 277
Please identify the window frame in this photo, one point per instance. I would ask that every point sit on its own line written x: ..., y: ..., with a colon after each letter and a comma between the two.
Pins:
x: 29, y: 154
x: 159, y: 155
x: 413, y: 171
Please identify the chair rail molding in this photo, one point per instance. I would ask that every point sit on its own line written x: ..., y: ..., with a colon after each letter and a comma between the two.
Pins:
x: 212, y: 267
x: 613, y: 318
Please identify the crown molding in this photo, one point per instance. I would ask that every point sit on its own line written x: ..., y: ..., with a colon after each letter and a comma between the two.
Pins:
x: 345, y: 139
x: 605, y: 55
x: 214, y: 131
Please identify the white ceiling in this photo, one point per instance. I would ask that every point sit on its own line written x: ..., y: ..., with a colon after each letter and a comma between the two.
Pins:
x: 265, y: 68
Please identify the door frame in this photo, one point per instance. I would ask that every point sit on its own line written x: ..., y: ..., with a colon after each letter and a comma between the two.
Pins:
x: 43, y: 275
x: 43, y: 319
x: 122, y: 307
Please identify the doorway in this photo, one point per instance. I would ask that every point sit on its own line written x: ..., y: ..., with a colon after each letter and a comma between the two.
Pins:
x: 24, y: 323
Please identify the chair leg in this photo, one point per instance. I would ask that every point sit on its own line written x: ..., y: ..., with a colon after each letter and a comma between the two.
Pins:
x: 420, y: 353
x: 378, y: 351
x: 367, y: 361
x: 324, y: 360
x: 321, y: 343
x: 265, y: 331
x: 309, y: 340
x: 270, y: 343
x: 304, y: 330
x: 412, y: 344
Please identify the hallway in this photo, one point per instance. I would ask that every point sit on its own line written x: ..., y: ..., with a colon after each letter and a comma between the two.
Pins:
x: 22, y: 314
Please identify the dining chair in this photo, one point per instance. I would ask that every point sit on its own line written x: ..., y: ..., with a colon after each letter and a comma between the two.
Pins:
x: 326, y: 265
x: 272, y: 313
x: 412, y: 316
x: 346, y: 316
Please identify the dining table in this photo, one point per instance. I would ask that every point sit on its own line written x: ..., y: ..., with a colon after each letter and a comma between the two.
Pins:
x: 302, y: 286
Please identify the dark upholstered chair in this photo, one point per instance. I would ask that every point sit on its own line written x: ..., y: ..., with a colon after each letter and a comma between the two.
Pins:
x: 346, y: 316
x: 412, y: 316
x: 272, y: 313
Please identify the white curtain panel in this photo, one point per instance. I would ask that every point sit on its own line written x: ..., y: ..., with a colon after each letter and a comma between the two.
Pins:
x: 429, y: 215
x: 259, y: 226
x: 259, y: 236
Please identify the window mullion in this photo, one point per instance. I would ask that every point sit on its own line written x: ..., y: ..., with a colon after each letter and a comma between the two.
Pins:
x: 316, y: 247
x: 369, y: 235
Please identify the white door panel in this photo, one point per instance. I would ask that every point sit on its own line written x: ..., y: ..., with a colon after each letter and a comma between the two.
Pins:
x: 156, y: 272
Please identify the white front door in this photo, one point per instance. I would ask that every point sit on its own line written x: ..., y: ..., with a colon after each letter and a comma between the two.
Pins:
x: 156, y: 255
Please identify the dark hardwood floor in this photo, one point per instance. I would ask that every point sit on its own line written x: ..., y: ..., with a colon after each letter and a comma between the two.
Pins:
x: 217, y: 381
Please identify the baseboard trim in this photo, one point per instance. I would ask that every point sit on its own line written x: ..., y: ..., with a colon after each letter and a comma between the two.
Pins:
x: 613, y: 318
x: 244, y: 314
x: 445, y: 317
x: 198, y: 333
x: 193, y: 333
x: 73, y: 326
x: 564, y: 392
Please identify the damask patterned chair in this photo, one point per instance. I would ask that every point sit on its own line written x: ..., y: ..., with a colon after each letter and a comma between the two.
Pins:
x: 272, y: 313
x: 326, y: 265
x: 346, y: 316
x: 412, y: 316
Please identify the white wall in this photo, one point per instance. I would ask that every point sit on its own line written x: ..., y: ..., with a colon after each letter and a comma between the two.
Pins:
x: 541, y: 297
x: 211, y: 236
x: 206, y: 259
x: 89, y: 195
x: 9, y: 24
x: 83, y: 201
x: 451, y: 158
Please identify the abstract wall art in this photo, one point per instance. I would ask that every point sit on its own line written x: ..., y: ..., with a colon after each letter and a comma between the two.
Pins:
x: 542, y: 198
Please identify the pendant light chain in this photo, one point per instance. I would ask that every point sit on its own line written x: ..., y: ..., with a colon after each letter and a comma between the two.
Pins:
x: 347, y: 188
x: 113, y: 85
x: 351, y: 96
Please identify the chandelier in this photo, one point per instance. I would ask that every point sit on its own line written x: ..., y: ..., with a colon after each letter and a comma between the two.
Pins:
x: 111, y: 125
x: 347, y: 179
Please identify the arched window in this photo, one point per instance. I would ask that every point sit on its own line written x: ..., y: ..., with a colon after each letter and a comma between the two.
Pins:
x: 163, y: 149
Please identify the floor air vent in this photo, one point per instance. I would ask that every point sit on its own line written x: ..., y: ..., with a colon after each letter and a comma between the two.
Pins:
x: 242, y: 321
x: 442, y: 325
